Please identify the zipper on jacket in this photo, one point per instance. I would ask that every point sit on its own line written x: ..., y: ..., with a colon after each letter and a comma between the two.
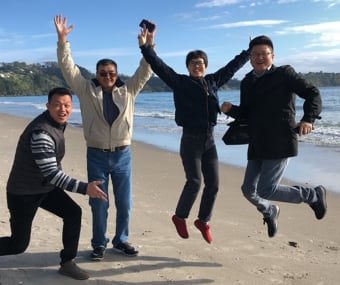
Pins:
x: 205, y: 87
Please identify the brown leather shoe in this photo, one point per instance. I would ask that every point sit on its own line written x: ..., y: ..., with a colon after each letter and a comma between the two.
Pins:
x: 72, y: 270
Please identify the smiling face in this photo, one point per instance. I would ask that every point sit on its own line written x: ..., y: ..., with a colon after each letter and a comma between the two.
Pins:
x: 107, y: 76
x: 60, y: 107
x: 261, y: 58
x: 196, y: 67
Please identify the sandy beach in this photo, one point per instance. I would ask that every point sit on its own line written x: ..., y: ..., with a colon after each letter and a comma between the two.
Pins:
x: 304, y: 251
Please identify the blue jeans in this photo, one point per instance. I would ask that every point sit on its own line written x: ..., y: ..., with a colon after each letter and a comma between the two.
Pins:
x: 101, y: 166
x: 261, y: 184
x: 199, y: 156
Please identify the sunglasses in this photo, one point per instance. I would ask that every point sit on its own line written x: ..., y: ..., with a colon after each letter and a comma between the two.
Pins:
x: 105, y: 74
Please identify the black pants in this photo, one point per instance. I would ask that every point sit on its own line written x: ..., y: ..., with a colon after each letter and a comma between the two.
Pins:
x: 22, y: 211
x: 199, y: 156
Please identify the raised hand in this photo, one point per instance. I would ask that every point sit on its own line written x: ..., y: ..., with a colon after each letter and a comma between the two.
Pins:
x: 61, y: 27
x: 146, y: 37
x: 142, y: 36
x: 150, y: 36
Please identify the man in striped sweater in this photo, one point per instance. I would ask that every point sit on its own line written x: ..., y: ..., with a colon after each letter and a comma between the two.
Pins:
x: 37, y: 181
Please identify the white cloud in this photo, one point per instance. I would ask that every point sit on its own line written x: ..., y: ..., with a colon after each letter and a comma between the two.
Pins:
x: 221, y: 3
x: 327, y: 32
x: 286, y: 1
x: 28, y: 55
x: 331, y: 3
x: 111, y: 52
x: 326, y: 61
x: 217, y: 3
x: 43, y: 36
x: 249, y: 24
x: 174, y: 53
x: 315, y: 28
x: 17, y: 40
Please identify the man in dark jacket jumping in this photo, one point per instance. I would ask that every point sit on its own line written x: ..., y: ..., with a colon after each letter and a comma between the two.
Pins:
x: 197, y: 107
x: 267, y: 103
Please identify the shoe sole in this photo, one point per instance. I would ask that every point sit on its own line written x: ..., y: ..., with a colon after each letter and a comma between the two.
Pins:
x: 276, y: 224
x: 64, y: 273
x: 124, y: 253
x: 323, y: 200
x: 96, y: 258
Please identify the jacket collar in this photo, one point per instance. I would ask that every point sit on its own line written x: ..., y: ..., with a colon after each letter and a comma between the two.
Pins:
x: 55, y: 124
x: 118, y: 83
x: 252, y: 73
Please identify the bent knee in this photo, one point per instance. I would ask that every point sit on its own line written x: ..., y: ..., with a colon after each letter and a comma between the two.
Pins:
x: 77, y: 212
x: 73, y: 214
x: 20, y: 248
x: 247, y: 191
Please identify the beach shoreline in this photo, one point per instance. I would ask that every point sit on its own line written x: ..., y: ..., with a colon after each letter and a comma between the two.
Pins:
x: 304, y: 251
x: 318, y: 160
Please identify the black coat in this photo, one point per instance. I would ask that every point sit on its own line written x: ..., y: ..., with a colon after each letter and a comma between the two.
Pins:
x: 196, y: 101
x: 268, y: 104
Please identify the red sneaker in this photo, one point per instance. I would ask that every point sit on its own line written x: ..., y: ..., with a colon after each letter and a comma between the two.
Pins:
x: 181, y: 226
x: 205, y: 230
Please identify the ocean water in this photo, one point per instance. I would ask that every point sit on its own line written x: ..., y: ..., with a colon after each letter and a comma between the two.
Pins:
x: 318, y: 161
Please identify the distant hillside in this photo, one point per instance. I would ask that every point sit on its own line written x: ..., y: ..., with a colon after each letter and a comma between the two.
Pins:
x: 21, y: 79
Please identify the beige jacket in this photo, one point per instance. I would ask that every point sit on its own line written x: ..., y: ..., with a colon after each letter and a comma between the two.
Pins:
x: 97, y: 132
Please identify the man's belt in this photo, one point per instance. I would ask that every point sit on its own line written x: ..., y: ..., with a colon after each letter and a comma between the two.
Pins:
x: 117, y: 148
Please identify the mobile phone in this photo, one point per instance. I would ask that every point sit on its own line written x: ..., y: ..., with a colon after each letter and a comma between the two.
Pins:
x: 150, y: 26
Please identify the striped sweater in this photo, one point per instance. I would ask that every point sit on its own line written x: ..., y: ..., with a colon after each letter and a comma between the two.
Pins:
x: 43, y: 153
x: 37, y: 163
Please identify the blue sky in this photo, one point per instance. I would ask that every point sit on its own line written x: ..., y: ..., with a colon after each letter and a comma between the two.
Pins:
x: 306, y: 34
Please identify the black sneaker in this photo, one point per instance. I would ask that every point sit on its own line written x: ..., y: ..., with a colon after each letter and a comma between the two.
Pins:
x: 98, y: 253
x: 272, y: 220
x: 126, y: 249
x: 320, y: 206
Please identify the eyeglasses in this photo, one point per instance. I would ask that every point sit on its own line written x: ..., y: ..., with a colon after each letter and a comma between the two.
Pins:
x: 197, y: 62
x: 260, y: 54
x: 105, y: 74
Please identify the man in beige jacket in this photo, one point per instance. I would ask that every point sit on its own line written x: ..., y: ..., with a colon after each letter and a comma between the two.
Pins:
x: 107, y: 106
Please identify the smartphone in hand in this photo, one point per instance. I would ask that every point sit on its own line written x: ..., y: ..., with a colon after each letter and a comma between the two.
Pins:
x: 150, y: 26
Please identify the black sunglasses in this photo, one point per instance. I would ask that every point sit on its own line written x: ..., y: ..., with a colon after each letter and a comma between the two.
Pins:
x: 105, y: 74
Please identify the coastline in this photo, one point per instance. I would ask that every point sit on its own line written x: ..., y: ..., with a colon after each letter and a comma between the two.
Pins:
x: 318, y: 161
x: 305, y: 250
